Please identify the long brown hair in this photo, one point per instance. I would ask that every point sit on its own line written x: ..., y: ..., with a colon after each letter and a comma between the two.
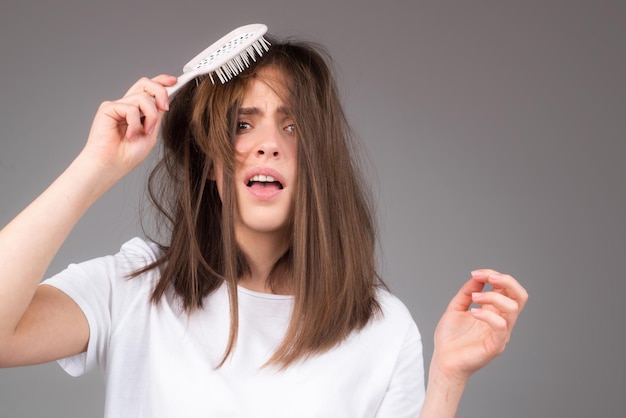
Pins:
x: 330, y: 264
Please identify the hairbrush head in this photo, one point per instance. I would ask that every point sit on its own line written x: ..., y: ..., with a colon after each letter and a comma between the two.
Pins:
x: 226, y: 57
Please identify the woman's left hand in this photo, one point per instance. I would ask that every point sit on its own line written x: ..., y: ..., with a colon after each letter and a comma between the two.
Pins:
x: 467, y: 339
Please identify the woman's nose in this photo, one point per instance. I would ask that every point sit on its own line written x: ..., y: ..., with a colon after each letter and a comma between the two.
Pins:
x: 266, y: 150
x: 269, y: 144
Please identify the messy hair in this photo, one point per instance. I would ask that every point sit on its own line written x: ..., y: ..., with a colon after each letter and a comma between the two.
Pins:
x: 329, y: 264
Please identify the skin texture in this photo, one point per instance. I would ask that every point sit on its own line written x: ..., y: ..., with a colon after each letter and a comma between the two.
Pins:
x: 40, y: 323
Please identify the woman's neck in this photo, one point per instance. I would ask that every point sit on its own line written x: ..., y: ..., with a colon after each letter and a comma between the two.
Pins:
x: 262, y: 251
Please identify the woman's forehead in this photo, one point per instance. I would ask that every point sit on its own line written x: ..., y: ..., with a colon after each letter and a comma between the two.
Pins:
x: 269, y: 80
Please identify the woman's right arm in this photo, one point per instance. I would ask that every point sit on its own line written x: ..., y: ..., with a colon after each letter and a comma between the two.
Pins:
x: 41, y: 323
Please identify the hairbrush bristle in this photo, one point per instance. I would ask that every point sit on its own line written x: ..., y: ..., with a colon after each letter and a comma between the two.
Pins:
x: 242, y: 61
x: 226, y: 57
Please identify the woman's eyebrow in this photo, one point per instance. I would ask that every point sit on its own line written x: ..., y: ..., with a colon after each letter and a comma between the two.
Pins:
x: 249, y: 111
x: 255, y: 111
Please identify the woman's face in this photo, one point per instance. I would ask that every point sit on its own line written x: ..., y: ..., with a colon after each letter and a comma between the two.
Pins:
x: 266, y: 159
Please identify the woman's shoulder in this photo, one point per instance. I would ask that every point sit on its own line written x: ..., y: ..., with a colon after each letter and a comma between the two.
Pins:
x: 391, y: 303
x: 140, y: 251
x: 129, y: 265
x: 390, y: 330
x: 393, y: 311
x: 113, y: 270
x: 133, y: 256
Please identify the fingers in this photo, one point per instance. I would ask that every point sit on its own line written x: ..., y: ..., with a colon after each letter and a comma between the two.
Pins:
x: 470, y: 337
x: 504, y: 284
x: 140, y: 119
x: 463, y: 299
x: 501, y: 306
x: 506, y: 299
x: 155, y: 88
x: 500, y: 302
x: 124, y: 131
x: 142, y: 105
x: 500, y: 329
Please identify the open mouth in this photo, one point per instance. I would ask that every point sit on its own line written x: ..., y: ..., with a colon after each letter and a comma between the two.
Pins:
x: 261, y: 180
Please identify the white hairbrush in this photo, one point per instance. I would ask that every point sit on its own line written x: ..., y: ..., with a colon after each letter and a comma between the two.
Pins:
x: 227, y: 57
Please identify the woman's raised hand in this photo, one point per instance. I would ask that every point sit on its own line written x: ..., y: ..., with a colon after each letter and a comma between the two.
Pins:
x: 124, y: 131
x: 467, y: 339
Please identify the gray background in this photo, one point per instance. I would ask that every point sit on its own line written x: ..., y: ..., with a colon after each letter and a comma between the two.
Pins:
x: 496, y: 130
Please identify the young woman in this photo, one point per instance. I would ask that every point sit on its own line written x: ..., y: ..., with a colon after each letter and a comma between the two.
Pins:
x: 265, y: 300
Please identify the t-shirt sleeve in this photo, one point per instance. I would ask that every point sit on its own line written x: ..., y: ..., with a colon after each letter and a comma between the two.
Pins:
x: 406, y: 390
x: 103, y: 290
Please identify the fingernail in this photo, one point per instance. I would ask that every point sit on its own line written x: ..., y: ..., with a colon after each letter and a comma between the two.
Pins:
x: 476, y: 273
x: 476, y: 295
x: 494, y: 277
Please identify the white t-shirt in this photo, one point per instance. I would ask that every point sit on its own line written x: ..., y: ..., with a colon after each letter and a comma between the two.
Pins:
x: 160, y: 362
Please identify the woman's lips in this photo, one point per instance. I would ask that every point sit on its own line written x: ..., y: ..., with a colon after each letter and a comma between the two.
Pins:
x: 264, y: 183
x: 264, y: 191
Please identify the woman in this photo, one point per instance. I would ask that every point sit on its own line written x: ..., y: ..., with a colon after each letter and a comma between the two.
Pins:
x: 265, y: 300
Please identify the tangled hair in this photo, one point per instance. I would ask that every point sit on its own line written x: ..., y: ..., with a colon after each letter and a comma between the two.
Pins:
x: 330, y: 263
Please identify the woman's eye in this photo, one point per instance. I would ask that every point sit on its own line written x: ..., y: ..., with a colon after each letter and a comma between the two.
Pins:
x: 241, y: 126
x: 290, y: 128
